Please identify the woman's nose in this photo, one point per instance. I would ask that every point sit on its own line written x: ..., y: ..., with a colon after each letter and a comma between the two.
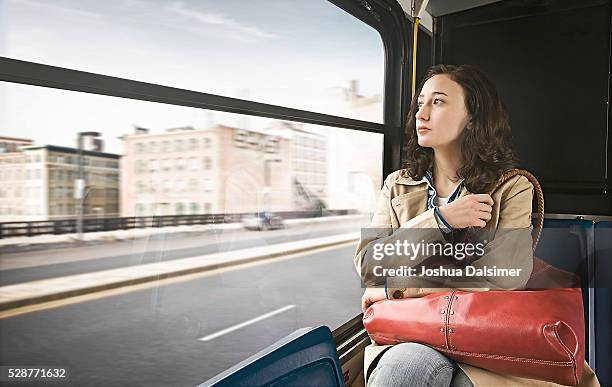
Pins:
x: 422, y: 113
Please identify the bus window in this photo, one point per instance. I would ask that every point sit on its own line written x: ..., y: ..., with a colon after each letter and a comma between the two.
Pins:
x: 169, y: 188
x: 285, y: 53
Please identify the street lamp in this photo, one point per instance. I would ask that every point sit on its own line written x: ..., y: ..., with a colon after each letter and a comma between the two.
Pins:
x: 80, y: 182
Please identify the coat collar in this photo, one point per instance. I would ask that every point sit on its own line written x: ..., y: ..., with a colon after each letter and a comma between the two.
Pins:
x: 406, y: 180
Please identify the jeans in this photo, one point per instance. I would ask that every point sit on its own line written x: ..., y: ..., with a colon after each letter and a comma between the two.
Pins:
x: 417, y: 365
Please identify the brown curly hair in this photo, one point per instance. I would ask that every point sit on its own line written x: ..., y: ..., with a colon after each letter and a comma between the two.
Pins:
x: 485, y: 143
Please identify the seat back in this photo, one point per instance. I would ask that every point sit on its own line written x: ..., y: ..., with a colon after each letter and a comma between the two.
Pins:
x: 305, y: 357
x: 603, y: 301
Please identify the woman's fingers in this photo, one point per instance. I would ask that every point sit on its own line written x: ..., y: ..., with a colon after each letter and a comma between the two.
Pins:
x: 485, y: 215
x: 365, y: 302
x: 483, y: 198
x: 480, y: 223
x: 483, y: 207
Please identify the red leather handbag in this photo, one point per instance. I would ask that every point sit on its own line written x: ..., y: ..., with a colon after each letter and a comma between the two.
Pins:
x: 537, y: 334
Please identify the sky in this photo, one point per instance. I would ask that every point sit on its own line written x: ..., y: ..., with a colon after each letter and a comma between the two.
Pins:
x: 285, y: 52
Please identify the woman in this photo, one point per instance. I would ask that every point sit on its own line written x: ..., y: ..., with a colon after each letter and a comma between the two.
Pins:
x: 458, y: 147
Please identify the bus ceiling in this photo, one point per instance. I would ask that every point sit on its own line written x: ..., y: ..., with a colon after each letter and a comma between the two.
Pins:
x: 426, y: 9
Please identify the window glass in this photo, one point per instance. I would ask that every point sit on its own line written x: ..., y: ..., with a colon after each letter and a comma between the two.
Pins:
x: 153, y: 214
x: 308, y: 55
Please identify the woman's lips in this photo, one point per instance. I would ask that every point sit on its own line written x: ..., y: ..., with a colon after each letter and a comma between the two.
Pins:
x: 423, y: 129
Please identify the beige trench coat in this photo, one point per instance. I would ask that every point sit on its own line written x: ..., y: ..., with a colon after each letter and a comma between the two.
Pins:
x: 402, y: 204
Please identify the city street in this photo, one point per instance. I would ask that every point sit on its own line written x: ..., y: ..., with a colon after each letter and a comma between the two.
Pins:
x: 177, y: 335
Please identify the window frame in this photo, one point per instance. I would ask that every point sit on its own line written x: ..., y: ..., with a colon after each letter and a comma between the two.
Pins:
x: 384, y: 16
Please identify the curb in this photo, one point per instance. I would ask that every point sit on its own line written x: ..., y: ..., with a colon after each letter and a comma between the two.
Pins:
x: 30, y: 293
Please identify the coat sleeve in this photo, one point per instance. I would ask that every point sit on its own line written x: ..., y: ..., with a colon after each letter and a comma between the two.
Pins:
x: 423, y: 227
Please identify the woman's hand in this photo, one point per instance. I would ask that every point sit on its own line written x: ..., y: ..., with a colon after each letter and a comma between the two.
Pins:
x: 472, y: 210
x: 370, y: 296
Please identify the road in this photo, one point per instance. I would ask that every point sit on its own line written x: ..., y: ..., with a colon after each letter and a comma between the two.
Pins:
x: 35, y: 265
x: 151, y: 337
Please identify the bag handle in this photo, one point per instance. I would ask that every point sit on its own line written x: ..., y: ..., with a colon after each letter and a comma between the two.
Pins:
x: 539, y: 197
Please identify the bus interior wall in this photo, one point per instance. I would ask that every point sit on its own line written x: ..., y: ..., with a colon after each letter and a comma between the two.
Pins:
x: 560, y: 128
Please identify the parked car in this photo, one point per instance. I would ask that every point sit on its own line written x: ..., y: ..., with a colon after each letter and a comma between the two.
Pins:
x: 263, y: 221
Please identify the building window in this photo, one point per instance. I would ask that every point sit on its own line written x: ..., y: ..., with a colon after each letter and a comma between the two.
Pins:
x: 195, y: 208
x: 193, y: 163
x: 180, y: 164
x: 178, y: 145
x: 140, y: 209
x: 139, y: 147
x: 180, y: 186
x: 207, y: 163
x: 179, y: 208
x: 207, y: 142
x: 166, y: 164
x: 207, y: 185
x: 165, y: 146
x: 193, y: 143
x: 152, y: 147
x: 193, y: 185
x: 207, y: 208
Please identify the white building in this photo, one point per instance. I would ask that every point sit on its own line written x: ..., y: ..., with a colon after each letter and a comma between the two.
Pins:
x: 220, y: 169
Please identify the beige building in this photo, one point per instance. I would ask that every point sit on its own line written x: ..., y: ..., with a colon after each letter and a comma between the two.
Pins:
x: 38, y: 182
x: 308, y: 164
x: 221, y: 169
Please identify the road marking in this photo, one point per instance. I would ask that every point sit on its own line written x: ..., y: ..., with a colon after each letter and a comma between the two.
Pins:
x: 168, y: 281
x: 244, y: 324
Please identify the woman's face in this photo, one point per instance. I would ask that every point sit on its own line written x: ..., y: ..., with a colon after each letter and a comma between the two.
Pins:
x: 442, y: 115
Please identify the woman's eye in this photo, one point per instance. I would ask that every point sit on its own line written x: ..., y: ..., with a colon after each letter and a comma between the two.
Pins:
x: 437, y: 100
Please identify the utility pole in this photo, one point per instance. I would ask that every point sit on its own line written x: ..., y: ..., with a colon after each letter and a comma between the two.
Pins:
x: 79, y: 188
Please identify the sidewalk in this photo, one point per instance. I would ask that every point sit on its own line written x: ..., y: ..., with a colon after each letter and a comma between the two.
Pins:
x: 35, y: 292
x: 118, y: 235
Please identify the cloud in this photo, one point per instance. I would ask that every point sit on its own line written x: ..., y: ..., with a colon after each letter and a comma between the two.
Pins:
x: 42, y: 7
x: 220, y: 20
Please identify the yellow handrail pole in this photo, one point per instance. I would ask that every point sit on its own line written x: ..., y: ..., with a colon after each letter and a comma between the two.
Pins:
x: 415, y: 34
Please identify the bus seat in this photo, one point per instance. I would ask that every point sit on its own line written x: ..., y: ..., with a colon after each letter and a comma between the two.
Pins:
x: 568, y: 244
x: 603, y: 301
x: 306, y: 357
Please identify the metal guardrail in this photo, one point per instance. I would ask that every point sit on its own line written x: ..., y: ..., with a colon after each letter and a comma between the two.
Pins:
x: 69, y: 226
